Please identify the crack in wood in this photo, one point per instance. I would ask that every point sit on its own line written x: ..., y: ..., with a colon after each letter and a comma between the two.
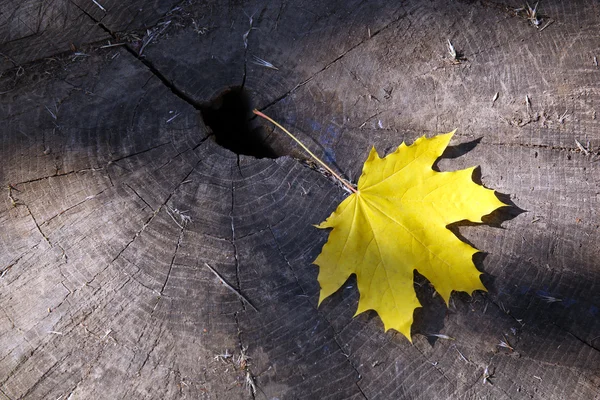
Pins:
x: 139, y: 152
x: 58, y: 175
x: 319, y: 313
x: 329, y: 64
x: 578, y: 338
x: 72, y: 207
x: 138, y: 195
x: 37, y: 225
x: 162, y: 289
x: 151, y: 67
x: 250, y: 379
x: 148, y: 221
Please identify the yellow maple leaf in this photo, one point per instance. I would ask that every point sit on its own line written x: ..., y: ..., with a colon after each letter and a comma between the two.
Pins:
x: 396, y: 223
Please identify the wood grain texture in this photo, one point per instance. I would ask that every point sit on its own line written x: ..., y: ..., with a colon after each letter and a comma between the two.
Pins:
x: 33, y: 29
x: 116, y: 195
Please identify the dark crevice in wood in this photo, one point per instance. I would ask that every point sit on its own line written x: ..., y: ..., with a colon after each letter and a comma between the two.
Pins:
x: 155, y: 71
x: 233, y: 244
x: 4, y: 270
x: 591, y: 344
x: 37, y: 225
x: 59, y: 175
x: 42, y: 378
x: 140, y: 197
x: 4, y: 394
x: 590, y: 154
x: 250, y: 380
x: 73, y: 206
x: 229, y: 116
x: 179, y: 239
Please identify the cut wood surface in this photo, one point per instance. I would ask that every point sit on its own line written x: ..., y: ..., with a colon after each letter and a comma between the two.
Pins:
x: 140, y: 258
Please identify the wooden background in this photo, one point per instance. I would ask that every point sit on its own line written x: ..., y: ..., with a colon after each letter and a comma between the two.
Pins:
x: 116, y: 194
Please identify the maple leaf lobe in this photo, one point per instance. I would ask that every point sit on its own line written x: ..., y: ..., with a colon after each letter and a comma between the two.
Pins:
x: 396, y: 223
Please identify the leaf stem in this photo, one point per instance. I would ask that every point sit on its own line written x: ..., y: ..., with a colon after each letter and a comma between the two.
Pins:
x: 339, y: 178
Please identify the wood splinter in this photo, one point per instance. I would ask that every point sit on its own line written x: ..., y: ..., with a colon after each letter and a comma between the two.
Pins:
x: 228, y: 286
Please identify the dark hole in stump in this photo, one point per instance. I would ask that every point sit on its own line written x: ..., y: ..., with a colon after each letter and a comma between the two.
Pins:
x: 230, y: 118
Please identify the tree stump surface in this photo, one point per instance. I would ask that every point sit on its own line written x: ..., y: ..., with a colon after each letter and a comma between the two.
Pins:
x: 140, y: 258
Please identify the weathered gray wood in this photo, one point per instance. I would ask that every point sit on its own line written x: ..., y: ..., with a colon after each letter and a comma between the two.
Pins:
x: 33, y: 29
x: 117, y: 195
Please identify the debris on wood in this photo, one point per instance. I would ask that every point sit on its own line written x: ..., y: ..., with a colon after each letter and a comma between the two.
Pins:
x: 440, y: 336
x: 549, y: 299
x: 563, y: 117
x: 461, y: 354
x: 99, y: 5
x: 53, y: 114
x: 112, y: 45
x: 505, y: 344
x: 185, y: 219
x: 455, y: 56
x: 259, y: 61
x: 547, y: 25
x: 451, y: 50
x: 487, y: 374
x: 584, y: 150
x: 228, y: 286
x: 152, y: 34
x: 245, y: 35
x: 250, y: 383
x: 200, y: 30
x: 173, y: 117
x: 223, y: 357
x: 530, y: 14
x: 79, y: 54
x: 495, y: 98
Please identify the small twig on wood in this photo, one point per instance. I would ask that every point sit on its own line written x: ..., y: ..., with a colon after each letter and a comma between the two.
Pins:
x: 250, y: 383
x: 580, y: 147
x: 530, y: 14
x: 547, y: 25
x: 14, y: 202
x: 112, y: 45
x: 234, y: 290
x: 440, y: 336
x: 153, y: 34
x: 451, y: 50
x: 346, y: 184
x: 495, y: 98
x: 504, y: 343
x: 487, y: 374
x: 461, y: 354
x: 173, y: 117
x: 99, y: 6
x: 185, y: 219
